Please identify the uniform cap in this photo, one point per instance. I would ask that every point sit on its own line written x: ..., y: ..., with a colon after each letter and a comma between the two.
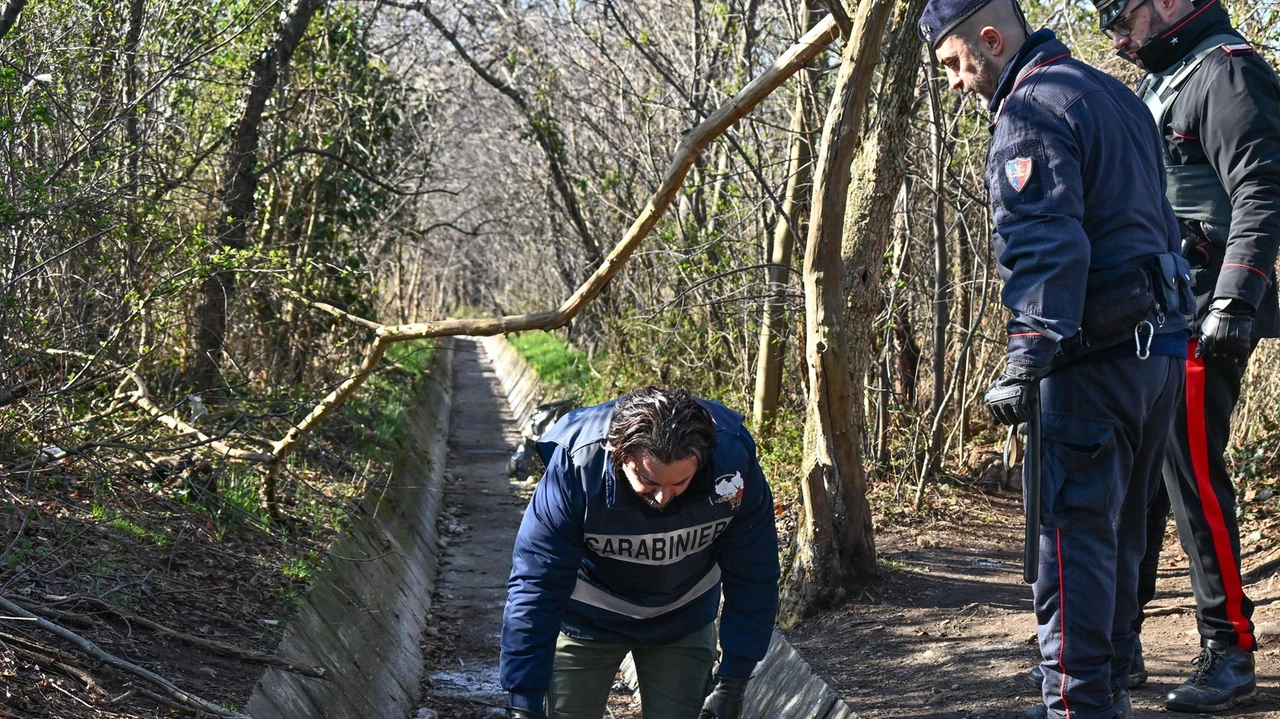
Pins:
x: 1108, y: 10
x: 940, y: 17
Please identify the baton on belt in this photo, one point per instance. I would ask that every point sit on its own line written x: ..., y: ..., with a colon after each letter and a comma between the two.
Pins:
x: 1031, y: 540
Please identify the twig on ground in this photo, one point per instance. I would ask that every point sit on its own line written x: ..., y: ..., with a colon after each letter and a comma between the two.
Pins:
x: 222, y: 648
x: 51, y: 657
x: 1165, y: 611
x: 171, y: 690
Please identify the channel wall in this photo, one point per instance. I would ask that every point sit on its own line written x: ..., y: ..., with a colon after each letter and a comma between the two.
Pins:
x: 364, y: 616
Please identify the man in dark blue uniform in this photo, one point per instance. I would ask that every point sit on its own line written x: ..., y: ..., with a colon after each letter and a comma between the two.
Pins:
x: 1217, y: 106
x: 649, y: 505
x: 1088, y: 251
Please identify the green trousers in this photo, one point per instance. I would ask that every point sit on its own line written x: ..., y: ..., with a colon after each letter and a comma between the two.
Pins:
x: 674, y: 678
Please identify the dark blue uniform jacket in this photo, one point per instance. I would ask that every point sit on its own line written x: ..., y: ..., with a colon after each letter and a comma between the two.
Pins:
x: 1077, y: 187
x: 595, y: 561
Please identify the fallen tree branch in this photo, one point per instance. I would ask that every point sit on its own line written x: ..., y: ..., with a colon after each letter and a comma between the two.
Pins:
x: 142, y: 398
x: 51, y: 657
x: 330, y: 309
x: 228, y: 650
x: 170, y: 690
x: 690, y: 147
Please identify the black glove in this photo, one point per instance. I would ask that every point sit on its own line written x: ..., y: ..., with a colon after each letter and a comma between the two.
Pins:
x: 518, y: 713
x: 725, y: 702
x: 1226, y: 330
x: 1009, y: 397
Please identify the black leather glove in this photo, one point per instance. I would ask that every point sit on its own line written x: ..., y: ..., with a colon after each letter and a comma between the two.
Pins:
x: 1226, y: 330
x: 1009, y: 397
x: 518, y: 713
x: 725, y: 702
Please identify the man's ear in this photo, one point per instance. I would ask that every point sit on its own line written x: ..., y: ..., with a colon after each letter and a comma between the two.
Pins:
x: 991, y: 39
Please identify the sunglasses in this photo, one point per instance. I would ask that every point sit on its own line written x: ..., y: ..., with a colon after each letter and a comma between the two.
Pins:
x: 1120, y: 26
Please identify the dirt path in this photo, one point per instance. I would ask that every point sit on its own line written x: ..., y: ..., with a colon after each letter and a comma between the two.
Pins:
x: 482, y: 510
x: 949, y: 631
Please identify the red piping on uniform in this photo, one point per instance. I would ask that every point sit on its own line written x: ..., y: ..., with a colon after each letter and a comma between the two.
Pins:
x: 1189, y: 18
x: 1199, y: 448
x: 1026, y: 334
x: 1062, y: 612
x: 1025, y: 75
x: 1247, y: 267
x: 1181, y: 136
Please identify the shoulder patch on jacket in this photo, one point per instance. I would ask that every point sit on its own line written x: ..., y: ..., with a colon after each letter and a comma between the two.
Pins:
x: 1237, y: 49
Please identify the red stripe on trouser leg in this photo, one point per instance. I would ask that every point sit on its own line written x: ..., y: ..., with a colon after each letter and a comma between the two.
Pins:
x: 1198, y: 447
x: 1062, y: 617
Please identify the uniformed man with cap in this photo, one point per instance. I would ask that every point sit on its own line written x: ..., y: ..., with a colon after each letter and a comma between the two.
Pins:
x: 1088, y: 250
x: 650, y: 505
x: 1216, y: 103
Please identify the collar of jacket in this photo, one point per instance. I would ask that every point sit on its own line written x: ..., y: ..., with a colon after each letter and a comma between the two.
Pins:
x: 1039, y: 48
x: 1164, y: 51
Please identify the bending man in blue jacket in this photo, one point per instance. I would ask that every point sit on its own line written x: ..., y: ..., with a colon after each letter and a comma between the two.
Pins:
x: 650, y: 504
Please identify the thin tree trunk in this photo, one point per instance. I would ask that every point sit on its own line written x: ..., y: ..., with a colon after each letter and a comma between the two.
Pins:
x: 9, y: 15
x: 941, y: 284
x: 240, y: 182
x: 789, y: 225
x: 826, y: 559
x: 850, y: 228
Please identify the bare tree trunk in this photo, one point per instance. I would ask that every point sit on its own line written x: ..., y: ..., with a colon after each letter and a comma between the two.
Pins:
x: 941, y: 285
x: 789, y: 225
x: 9, y: 15
x: 831, y: 475
x: 849, y: 231
x: 133, y: 131
x: 240, y: 182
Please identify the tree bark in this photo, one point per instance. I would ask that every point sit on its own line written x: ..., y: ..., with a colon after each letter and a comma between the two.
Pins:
x: 848, y: 233
x: 941, y: 284
x: 821, y: 568
x: 9, y: 15
x: 240, y: 182
x: 789, y: 225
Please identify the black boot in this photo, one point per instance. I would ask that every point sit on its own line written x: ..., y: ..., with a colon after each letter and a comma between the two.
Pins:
x: 1138, y: 667
x: 1223, y: 678
x: 1137, y: 670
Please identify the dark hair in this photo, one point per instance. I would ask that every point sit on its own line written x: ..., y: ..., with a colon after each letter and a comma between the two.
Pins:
x: 668, y: 424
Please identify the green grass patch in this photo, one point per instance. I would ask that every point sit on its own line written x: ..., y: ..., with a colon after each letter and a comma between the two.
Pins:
x: 556, y: 363
x: 380, y: 407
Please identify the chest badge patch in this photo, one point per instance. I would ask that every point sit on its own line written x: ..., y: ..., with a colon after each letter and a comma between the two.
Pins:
x: 1018, y: 170
x: 729, y: 489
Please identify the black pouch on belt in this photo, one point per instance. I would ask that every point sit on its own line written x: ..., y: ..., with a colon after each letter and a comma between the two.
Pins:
x: 1115, y: 300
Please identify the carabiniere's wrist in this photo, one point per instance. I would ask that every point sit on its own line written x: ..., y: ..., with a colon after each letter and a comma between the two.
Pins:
x: 1232, y: 306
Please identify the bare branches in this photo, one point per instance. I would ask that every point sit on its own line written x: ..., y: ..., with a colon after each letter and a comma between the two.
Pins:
x: 168, y: 689
x: 543, y: 127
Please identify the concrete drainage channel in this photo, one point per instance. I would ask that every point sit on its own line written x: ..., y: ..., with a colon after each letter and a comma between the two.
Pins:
x: 363, y: 618
x: 784, y: 685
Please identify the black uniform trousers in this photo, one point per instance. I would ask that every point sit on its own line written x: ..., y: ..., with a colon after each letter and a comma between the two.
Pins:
x: 1105, y: 430
x: 1199, y: 489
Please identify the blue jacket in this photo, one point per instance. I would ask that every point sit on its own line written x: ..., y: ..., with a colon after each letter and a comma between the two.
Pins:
x: 1077, y: 187
x: 595, y: 561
